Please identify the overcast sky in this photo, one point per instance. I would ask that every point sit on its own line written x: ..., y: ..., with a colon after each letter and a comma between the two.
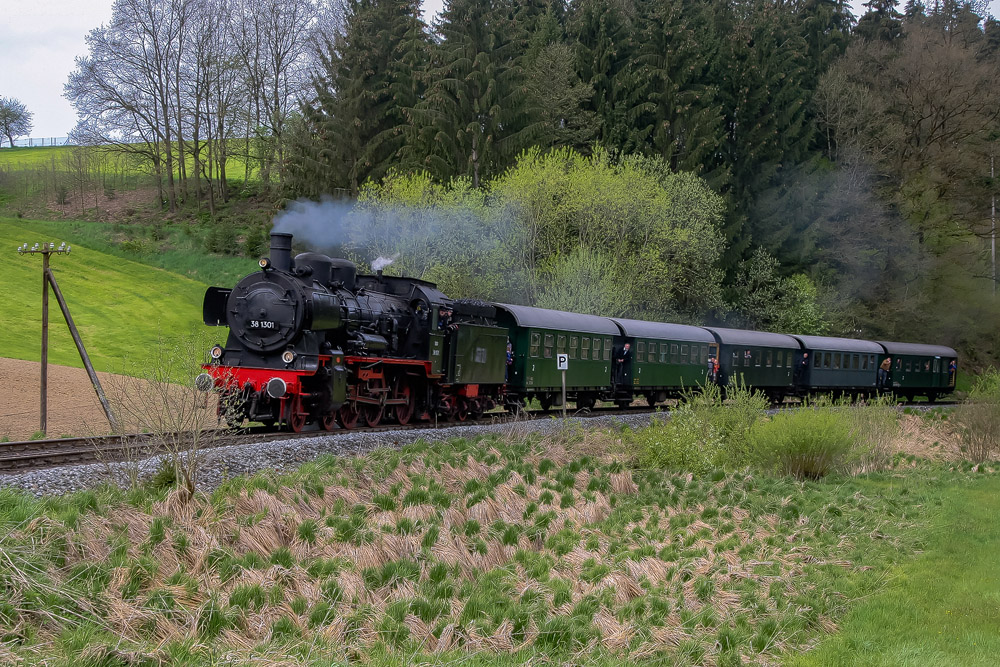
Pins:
x: 41, y: 38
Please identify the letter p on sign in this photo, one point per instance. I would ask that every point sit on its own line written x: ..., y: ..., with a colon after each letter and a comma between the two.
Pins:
x: 562, y: 362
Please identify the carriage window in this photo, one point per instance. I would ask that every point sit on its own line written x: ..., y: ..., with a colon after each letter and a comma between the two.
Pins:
x: 856, y: 362
x: 574, y: 342
x: 758, y: 357
x: 770, y: 358
x: 664, y: 351
x: 927, y: 365
x: 899, y: 364
x: 652, y: 353
x: 747, y: 358
x: 836, y: 360
x: 562, y: 344
x: 597, y: 349
x: 674, y: 351
x: 585, y: 349
x: 864, y: 362
x: 704, y: 354
x: 909, y: 366
x: 640, y: 351
x: 535, y: 340
x: 736, y: 357
x: 549, y: 340
x: 871, y: 361
x: 826, y: 359
x: 607, y: 349
x: 817, y: 360
x: 937, y: 365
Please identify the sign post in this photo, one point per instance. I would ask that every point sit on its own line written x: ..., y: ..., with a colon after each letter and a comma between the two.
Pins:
x: 562, y: 363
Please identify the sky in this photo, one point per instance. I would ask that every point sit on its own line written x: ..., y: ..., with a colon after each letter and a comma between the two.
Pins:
x: 41, y: 39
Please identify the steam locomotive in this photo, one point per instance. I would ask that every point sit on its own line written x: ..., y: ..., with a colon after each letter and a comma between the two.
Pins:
x: 311, y: 341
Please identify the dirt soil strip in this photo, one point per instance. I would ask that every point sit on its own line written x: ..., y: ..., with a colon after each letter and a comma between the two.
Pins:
x: 73, y: 408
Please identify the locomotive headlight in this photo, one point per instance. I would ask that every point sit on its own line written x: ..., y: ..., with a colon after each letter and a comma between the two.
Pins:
x: 288, y: 356
x: 216, y: 352
x: 276, y: 387
x: 264, y: 263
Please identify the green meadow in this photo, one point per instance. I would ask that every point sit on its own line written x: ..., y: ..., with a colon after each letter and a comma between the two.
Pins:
x: 57, y: 158
x: 122, y: 308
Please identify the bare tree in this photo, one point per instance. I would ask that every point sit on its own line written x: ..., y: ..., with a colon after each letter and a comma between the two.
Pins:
x: 15, y: 119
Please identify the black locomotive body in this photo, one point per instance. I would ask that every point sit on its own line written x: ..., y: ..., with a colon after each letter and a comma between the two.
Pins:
x: 312, y: 341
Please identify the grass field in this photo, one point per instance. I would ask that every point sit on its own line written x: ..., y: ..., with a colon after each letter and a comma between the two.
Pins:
x: 507, y: 550
x: 56, y: 158
x: 122, y: 308
x: 175, y: 247
x: 941, y: 609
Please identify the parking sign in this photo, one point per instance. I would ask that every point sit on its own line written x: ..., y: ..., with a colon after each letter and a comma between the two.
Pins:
x: 562, y: 362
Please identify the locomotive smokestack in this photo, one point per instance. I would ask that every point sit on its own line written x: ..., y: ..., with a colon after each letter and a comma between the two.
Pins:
x: 281, y: 251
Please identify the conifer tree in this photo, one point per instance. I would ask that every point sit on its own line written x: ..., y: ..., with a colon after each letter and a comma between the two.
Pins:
x: 675, y: 112
x: 881, y: 22
x: 760, y: 73
x: 356, y: 128
x: 605, y: 49
x: 476, y: 116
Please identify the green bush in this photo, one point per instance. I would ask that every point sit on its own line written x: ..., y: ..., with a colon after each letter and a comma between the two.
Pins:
x: 807, y: 443
x: 687, y: 441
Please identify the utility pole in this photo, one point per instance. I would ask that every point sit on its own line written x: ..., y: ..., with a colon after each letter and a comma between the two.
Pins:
x: 993, y: 226
x: 48, y: 278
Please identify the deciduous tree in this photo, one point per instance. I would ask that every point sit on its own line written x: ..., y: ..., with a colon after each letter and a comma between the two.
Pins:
x: 15, y: 119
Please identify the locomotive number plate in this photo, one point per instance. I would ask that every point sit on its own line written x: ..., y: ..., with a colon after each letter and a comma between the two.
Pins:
x: 263, y: 324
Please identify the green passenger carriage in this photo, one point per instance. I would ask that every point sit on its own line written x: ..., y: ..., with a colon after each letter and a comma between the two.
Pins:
x: 837, y: 365
x: 756, y: 358
x: 920, y: 370
x: 666, y: 358
x: 538, y: 335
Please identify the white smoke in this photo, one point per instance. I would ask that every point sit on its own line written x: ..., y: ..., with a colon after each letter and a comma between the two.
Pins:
x: 380, y: 263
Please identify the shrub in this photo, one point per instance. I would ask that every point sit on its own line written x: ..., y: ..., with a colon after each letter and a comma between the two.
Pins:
x: 874, y: 427
x: 978, y: 419
x: 807, y: 443
x: 687, y: 441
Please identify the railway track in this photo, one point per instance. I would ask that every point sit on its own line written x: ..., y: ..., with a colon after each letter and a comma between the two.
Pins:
x: 22, y: 456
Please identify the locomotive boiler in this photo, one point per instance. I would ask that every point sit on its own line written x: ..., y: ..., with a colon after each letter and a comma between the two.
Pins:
x: 310, y: 340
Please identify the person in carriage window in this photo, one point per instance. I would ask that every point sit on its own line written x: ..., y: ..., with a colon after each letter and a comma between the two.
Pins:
x: 623, y: 364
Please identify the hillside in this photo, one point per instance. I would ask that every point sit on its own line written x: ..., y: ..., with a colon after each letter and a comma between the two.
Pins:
x: 122, y: 308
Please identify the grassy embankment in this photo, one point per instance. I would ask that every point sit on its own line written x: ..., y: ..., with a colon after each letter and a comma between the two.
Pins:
x: 500, y: 551
x: 58, y: 158
x: 122, y: 308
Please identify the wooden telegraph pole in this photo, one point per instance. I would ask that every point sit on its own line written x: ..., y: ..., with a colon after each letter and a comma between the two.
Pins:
x: 48, y: 278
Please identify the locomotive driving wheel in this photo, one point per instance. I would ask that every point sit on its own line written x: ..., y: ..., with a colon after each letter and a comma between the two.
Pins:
x: 348, y: 415
x: 463, y: 410
x: 327, y: 422
x: 404, y: 411
x: 296, y: 416
x: 373, y: 413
